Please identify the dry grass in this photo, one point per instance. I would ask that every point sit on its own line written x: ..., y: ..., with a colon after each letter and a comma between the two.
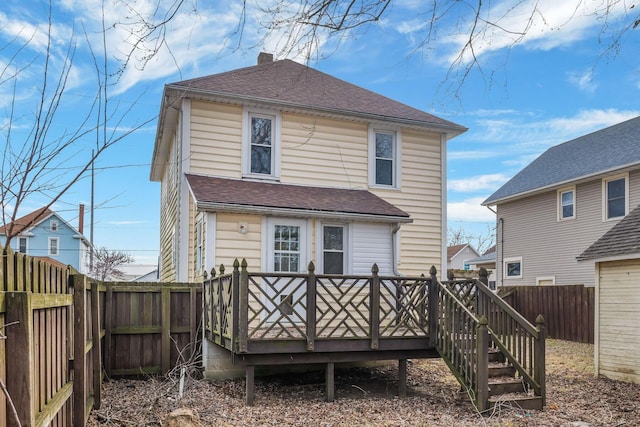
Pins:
x: 367, y: 397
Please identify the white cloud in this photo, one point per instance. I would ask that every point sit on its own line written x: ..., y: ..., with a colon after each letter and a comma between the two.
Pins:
x: 477, y: 183
x: 469, y: 210
x: 583, y: 81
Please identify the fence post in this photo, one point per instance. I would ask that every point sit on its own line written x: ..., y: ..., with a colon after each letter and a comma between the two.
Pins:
x: 484, y: 276
x: 79, y: 346
x: 20, y: 367
x: 311, y: 307
x: 108, y: 321
x: 482, y: 365
x: 243, y: 306
x: 374, y: 314
x: 539, y: 372
x: 433, y: 305
x: 96, y: 351
x: 165, y: 345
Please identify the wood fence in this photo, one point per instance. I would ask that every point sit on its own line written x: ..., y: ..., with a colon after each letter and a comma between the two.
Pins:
x: 568, y: 311
x: 55, y: 327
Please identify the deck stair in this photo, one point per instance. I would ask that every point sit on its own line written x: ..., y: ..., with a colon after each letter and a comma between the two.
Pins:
x: 496, y: 354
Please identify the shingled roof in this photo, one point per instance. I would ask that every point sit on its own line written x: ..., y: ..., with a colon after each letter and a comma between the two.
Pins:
x: 610, y: 149
x: 622, y: 239
x: 233, y: 195
x: 27, y: 221
x: 287, y: 83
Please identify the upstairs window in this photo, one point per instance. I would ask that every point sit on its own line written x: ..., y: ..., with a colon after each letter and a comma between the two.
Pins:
x: 512, y: 268
x: 566, y: 204
x: 615, y: 197
x: 53, y: 225
x: 384, y: 158
x: 261, y: 145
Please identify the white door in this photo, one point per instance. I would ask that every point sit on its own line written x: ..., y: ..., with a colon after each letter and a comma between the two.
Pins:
x: 287, y: 252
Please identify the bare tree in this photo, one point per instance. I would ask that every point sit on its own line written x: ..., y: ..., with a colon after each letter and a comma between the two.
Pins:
x: 107, y: 263
x: 42, y: 154
x: 474, y: 27
x: 480, y: 242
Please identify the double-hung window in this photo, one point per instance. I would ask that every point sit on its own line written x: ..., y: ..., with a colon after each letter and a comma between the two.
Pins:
x: 384, y: 163
x: 22, y: 245
x: 333, y: 249
x: 54, y: 246
x: 615, y: 197
x: 53, y: 225
x: 567, y: 204
x: 261, y: 145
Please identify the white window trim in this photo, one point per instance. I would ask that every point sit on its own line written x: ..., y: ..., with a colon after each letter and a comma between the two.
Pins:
x: 560, y: 193
x: 508, y: 261
x: 346, y: 236
x: 397, y: 165
x: 546, y: 279
x: 605, y: 196
x: 26, y: 244
x: 268, y: 249
x: 275, y: 147
x: 54, y: 225
x: 57, y: 240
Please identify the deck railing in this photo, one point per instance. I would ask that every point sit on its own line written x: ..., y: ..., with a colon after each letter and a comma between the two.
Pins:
x: 242, y: 307
x: 522, y: 343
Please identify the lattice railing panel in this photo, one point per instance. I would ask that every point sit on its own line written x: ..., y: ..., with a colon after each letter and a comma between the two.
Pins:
x: 465, y: 290
x: 403, y: 307
x: 278, y: 309
x: 342, y: 307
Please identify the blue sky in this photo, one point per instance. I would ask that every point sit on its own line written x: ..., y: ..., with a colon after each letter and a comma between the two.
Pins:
x: 558, y: 82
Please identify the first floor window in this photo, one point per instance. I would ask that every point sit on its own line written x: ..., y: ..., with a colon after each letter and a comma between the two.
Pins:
x: 286, y: 250
x: 333, y: 249
x: 615, y: 198
x: 22, y: 245
x: 513, y: 268
x: 54, y: 246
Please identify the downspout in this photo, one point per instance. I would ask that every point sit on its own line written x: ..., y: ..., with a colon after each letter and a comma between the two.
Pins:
x: 501, y: 251
x: 394, y: 250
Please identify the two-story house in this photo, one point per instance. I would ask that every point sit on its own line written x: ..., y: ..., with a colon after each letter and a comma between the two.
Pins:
x: 45, y: 234
x: 281, y: 164
x: 566, y: 199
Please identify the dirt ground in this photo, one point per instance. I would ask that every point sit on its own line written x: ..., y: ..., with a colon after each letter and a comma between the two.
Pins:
x: 367, y: 397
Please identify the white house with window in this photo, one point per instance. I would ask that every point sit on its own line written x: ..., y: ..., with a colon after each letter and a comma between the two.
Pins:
x: 44, y: 233
x: 283, y: 165
x: 567, y: 198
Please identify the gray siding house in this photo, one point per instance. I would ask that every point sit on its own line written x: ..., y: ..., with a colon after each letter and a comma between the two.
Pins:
x: 566, y: 199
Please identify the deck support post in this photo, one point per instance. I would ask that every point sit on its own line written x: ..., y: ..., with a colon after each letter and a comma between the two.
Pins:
x: 311, y: 307
x: 482, y: 350
x: 250, y: 384
x: 242, y: 309
x: 330, y: 382
x: 374, y: 313
x: 402, y: 377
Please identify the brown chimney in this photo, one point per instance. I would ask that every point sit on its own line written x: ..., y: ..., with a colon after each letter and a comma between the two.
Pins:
x: 81, y: 219
x: 265, y: 58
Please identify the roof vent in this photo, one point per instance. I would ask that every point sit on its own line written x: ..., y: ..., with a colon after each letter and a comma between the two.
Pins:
x: 264, y: 58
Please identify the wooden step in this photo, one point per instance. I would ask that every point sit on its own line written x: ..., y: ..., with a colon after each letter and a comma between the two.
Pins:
x: 503, y: 385
x: 496, y: 356
x: 501, y: 370
x: 519, y: 400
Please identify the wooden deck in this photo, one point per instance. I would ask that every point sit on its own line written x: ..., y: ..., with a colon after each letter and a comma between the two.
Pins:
x: 267, y: 319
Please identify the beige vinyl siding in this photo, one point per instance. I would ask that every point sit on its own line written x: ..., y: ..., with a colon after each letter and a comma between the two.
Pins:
x: 549, y: 247
x: 326, y: 152
x: 216, y: 139
x: 168, y: 217
x: 420, y: 196
x: 231, y: 244
x: 618, y: 346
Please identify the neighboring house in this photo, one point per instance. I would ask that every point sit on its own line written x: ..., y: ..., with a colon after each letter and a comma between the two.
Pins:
x: 137, y: 273
x: 50, y: 237
x: 458, y: 256
x: 281, y: 164
x: 617, y: 298
x: 487, y: 261
x: 567, y: 198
